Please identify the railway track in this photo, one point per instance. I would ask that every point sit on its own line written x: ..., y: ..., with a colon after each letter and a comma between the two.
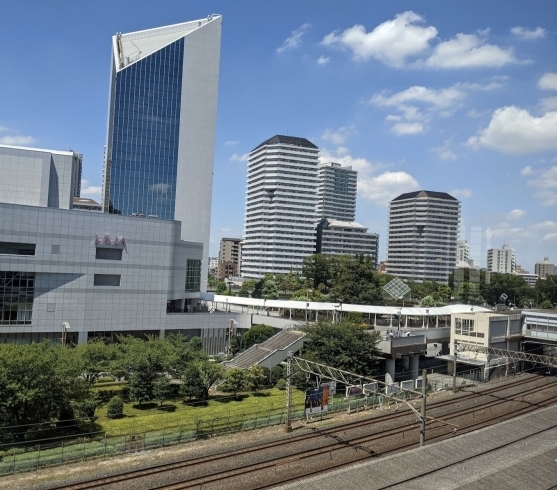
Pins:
x: 301, y: 456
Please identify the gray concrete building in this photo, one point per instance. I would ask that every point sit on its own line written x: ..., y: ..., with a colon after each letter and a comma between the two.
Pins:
x: 36, y: 177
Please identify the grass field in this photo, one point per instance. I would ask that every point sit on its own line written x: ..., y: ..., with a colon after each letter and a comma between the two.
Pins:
x: 177, y: 412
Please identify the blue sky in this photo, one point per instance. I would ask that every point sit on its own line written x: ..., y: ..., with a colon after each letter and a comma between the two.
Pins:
x: 456, y: 96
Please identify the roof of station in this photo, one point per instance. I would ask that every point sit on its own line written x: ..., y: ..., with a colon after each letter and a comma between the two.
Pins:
x: 344, y: 307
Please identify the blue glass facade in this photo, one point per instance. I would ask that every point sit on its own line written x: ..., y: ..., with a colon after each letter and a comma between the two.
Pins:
x: 145, y: 132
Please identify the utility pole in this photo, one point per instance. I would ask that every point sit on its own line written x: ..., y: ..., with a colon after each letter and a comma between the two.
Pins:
x: 454, y: 368
x: 288, y: 417
x: 423, y: 414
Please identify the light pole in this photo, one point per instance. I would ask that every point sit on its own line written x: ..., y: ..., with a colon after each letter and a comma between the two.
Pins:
x: 399, y: 315
x: 427, y: 318
x: 231, y: 322
x: 65, y: 328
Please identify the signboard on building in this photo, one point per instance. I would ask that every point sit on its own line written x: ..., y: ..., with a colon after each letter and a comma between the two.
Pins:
x: 354, y: 390
x: 317, y: 400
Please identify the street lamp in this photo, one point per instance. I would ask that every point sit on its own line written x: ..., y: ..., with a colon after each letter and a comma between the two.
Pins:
x: 65, y: 328
x: 231, y: 322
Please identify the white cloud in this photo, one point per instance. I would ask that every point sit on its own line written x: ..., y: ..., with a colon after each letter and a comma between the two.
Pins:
x: 239, y: 158
x: 445, y: 151
x: 386, y: 186
x: 469, y: 51
x: 525, y: 33
x: 461, y: 193
x: 407, y: 128
x: 231, y: 143
x: 516, y: 214
x: 391, y: 42
x: 548, y: 81
x: 505, y: 232
x: 225, y: 230
x: 323, y: 60
x: 89, y: 190
x: 550, y: 237
x: 16, y: 139
x: 526, y: 170
x: 474, y: 113
x: 342, y: 156
x: 3, y: 128
x: 546, y: 182
x: 545, y: 226
x: 439, y: 98
x: 515, y: 131
x: 548, y: 104
x: 294, y: 40
x: 339, y: 136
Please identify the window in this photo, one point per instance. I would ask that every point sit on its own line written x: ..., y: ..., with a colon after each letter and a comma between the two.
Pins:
x: 108, y: 253
x: 10, y: 248
x: 193, y: 275
x: 107, y: 280
x: 16, y: 297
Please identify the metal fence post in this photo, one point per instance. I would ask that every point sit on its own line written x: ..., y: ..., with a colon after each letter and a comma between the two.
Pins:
x: 423, y: 412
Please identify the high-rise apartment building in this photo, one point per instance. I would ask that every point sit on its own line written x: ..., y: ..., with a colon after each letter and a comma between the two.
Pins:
x: 463, y: 251
x: 281, y: 206
x: 501, y: 260
x: 544, y: 268
x: 229, y: 258
x: 161, y: 126
x: 337, y: 192
x: 423, y: 234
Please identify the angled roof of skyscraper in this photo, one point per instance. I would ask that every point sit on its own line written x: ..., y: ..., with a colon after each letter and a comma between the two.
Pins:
x: 437, y: 195
x: 287, y: 140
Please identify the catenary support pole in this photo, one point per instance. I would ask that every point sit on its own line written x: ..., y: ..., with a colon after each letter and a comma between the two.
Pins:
x: 423, y: 412
x: 288, y: 417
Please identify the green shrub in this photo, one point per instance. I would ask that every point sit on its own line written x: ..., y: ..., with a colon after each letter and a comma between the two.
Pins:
x: 105, y: 379
x: 115, y: 408
x: 281, y: 384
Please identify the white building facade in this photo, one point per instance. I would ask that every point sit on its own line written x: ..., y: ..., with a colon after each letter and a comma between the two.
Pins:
x: 161, y: 128
x: 501, y: 260
x: 281, y: 206
x: 423, y: 235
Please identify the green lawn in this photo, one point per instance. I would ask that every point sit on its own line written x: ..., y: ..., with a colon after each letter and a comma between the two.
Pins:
x: 219, y: 410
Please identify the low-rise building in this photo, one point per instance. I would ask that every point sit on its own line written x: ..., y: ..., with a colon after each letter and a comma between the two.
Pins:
x: 544, y: 268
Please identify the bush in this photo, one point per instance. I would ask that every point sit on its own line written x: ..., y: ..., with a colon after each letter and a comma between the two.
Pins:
x: 115, y: 408
x: 281, y: 384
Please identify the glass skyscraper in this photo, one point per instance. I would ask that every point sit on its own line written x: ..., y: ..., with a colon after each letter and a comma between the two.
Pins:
x: 161, y: 126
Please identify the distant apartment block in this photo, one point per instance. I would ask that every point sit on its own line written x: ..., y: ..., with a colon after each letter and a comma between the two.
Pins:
x: 337, y: 192
x: 501, y: 260
x: 463, y: 251
x: 423, y: 235
x: 544, y: 268
x: 229, y: 258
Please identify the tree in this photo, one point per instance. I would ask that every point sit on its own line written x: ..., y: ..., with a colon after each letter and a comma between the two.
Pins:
x: 221, y: 287
x: 255, y: 378
x: 445, y: 293
x: 209, y: 373
x: 270, y: 290
x: 162, y: 389
x: 95, y: 357
x: 115, y: 408
x: 235, y: 379
x: 257, y: 334
x: 546, y: 305
x: 40, y: 383
x: 243, y: 292
x: 191, y: 383
x: 277, y: 372
x: 355, y: 281
x: 546, y: 289
x: 343, y: 345
x: 317, y: 269
x: 427, y: 302
x: 141, y: 383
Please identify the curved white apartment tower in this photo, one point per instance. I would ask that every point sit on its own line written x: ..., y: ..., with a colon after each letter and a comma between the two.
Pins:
x: 423, y: 235
x: 281, y: 206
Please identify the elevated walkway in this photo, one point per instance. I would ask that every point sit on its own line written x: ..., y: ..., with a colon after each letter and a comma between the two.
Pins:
x: 271, y: 352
